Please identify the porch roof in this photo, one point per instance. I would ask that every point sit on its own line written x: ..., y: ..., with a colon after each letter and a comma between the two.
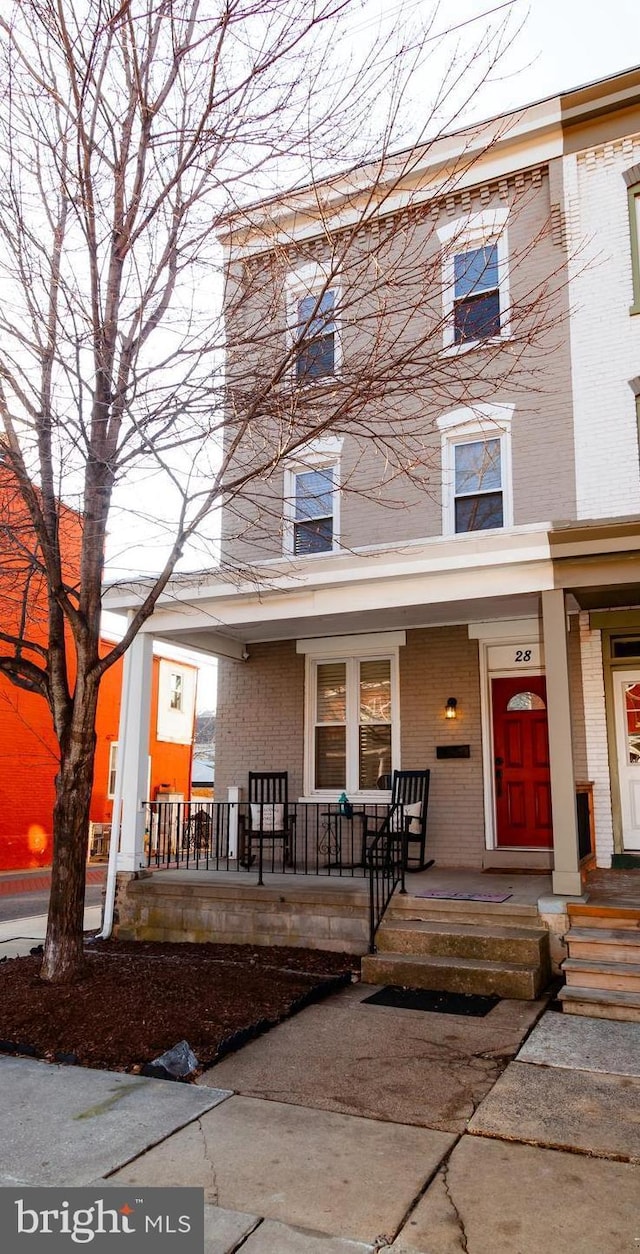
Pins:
x: 426, y: 583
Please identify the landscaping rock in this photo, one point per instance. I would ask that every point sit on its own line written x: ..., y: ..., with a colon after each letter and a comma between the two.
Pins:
x: 179, y: 1063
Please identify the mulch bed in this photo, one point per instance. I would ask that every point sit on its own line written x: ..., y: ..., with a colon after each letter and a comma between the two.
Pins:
x: 137, y: 1000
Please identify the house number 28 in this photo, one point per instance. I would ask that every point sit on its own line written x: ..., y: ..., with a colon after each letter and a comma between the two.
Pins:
x: 523, y: 655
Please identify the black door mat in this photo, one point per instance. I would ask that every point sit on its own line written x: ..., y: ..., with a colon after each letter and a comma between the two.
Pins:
x: 472, y: 1004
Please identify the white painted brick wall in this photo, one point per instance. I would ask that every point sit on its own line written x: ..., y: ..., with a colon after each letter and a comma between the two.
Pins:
x: 596, y: 737
x: 605, y: 338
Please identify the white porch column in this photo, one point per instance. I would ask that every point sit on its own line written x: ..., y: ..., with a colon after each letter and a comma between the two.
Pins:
x: 566, y: 874
x: 133, y: 750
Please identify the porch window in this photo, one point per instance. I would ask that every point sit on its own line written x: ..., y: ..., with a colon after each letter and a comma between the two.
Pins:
x: 353, y: 723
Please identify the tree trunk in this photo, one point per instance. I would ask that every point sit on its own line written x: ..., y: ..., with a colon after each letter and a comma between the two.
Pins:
x: 63, y: 950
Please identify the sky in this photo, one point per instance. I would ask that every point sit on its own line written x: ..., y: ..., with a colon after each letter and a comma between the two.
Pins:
x: 557, y: 45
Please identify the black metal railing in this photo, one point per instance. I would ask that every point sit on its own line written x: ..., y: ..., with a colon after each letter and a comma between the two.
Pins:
x: 386, y: 862
x: 317, y: 838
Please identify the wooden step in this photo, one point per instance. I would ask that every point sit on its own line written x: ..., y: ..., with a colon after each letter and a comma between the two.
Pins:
x: 609, y: 944
x: 594, y: 973
x: 524, y: 981
x: 431, y: 936
x: 602, y: 914
x: 600, y: 1003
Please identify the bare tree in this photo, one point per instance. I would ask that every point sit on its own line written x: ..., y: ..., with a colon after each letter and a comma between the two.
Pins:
x: 132, y: 135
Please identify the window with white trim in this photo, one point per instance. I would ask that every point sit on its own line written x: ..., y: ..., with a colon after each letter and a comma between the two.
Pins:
x: 313, y: 510
x: 311, y: 507
x: 477, y: 490
x: 312, y: 302
x: 113, y: 767
x: 476, y: 469
x: 475, y: 279
x: 353, y: 703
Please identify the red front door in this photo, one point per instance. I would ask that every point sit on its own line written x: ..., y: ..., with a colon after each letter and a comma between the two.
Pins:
x: 521, y: 762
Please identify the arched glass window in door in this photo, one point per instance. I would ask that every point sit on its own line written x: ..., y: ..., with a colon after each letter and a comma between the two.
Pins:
x: 525, y: 701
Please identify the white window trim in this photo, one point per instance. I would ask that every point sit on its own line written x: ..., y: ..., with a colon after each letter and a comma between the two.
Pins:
x: 463, y: 426
x: 311, y: 280
x: 473, y: 231
x: 350, y: 649
x: 320, y: 455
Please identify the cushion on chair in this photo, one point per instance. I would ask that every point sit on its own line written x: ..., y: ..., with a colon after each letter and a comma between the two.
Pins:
x: 267, y: 818
x: 414, y: 813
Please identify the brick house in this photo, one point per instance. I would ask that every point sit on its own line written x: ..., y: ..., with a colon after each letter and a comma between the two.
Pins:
x: 480, y: 618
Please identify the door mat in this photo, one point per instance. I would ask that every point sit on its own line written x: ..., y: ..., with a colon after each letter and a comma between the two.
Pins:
x: 444, y: 894
x: 474, y: 1005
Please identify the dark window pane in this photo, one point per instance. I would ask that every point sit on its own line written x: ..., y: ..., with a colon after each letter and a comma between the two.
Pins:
x: 316, y: 359
x: 479, y: 513
x: 475, y: 271
x: 331, y: 758
x: 476, y: 318
x: 315, y: 536
x: 375, y: 754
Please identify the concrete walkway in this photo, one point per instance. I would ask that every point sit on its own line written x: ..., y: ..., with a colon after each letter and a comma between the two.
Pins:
x: 354, y: 1128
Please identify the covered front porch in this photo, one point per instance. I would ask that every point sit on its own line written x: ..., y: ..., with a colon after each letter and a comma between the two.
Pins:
x: 453, y: 618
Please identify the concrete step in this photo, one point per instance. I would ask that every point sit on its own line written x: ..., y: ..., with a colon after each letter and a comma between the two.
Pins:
x: 524, y: 981
x: 594, y: 914
x: 609, y: 944
x: 600, y: 1003
x: 430, y: 936
x: 594, y: 973
x: 448, y: 910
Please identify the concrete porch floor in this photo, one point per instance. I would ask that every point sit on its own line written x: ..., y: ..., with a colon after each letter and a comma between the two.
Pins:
x: 524, y: 888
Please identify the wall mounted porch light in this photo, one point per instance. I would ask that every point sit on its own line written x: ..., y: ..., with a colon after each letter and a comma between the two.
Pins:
x: 451, y: 708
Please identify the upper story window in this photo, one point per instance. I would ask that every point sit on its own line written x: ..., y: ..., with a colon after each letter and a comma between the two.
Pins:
x: 478, y: 499
x: 476, y: 301
x: 475, y: 279
x: 313, y: 510
x: 314, y: 333
x: 476, y: 468
x: 316, y: 353
x: 311, y: 507
x: 352, y: 713
x: 113, y: 767
x: 176, y: 690
x: 632, y: 180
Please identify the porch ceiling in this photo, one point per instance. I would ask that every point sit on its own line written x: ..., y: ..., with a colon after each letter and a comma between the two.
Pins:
x: 389, y: 618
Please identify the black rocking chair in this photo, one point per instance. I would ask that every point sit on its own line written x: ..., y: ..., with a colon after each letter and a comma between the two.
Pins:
x: 268, y: 819
x: 407, y: 814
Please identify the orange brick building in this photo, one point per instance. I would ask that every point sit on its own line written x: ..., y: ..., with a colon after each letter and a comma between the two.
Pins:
x: 28, y: 757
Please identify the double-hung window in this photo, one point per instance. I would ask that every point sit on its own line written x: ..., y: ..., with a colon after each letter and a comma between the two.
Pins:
x: 313, y: 295
x: 316, y: 336
x: 478, y: 501
x: 476, y: 468
x: 476, y: 299
x: 352, y: 739
x: 313, y: 510
x: 475, y: 279
x: 311, y: 486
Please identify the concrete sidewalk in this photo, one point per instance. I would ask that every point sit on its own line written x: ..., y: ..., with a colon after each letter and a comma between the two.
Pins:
x: 19, y: 936
x: 353, y: 1128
